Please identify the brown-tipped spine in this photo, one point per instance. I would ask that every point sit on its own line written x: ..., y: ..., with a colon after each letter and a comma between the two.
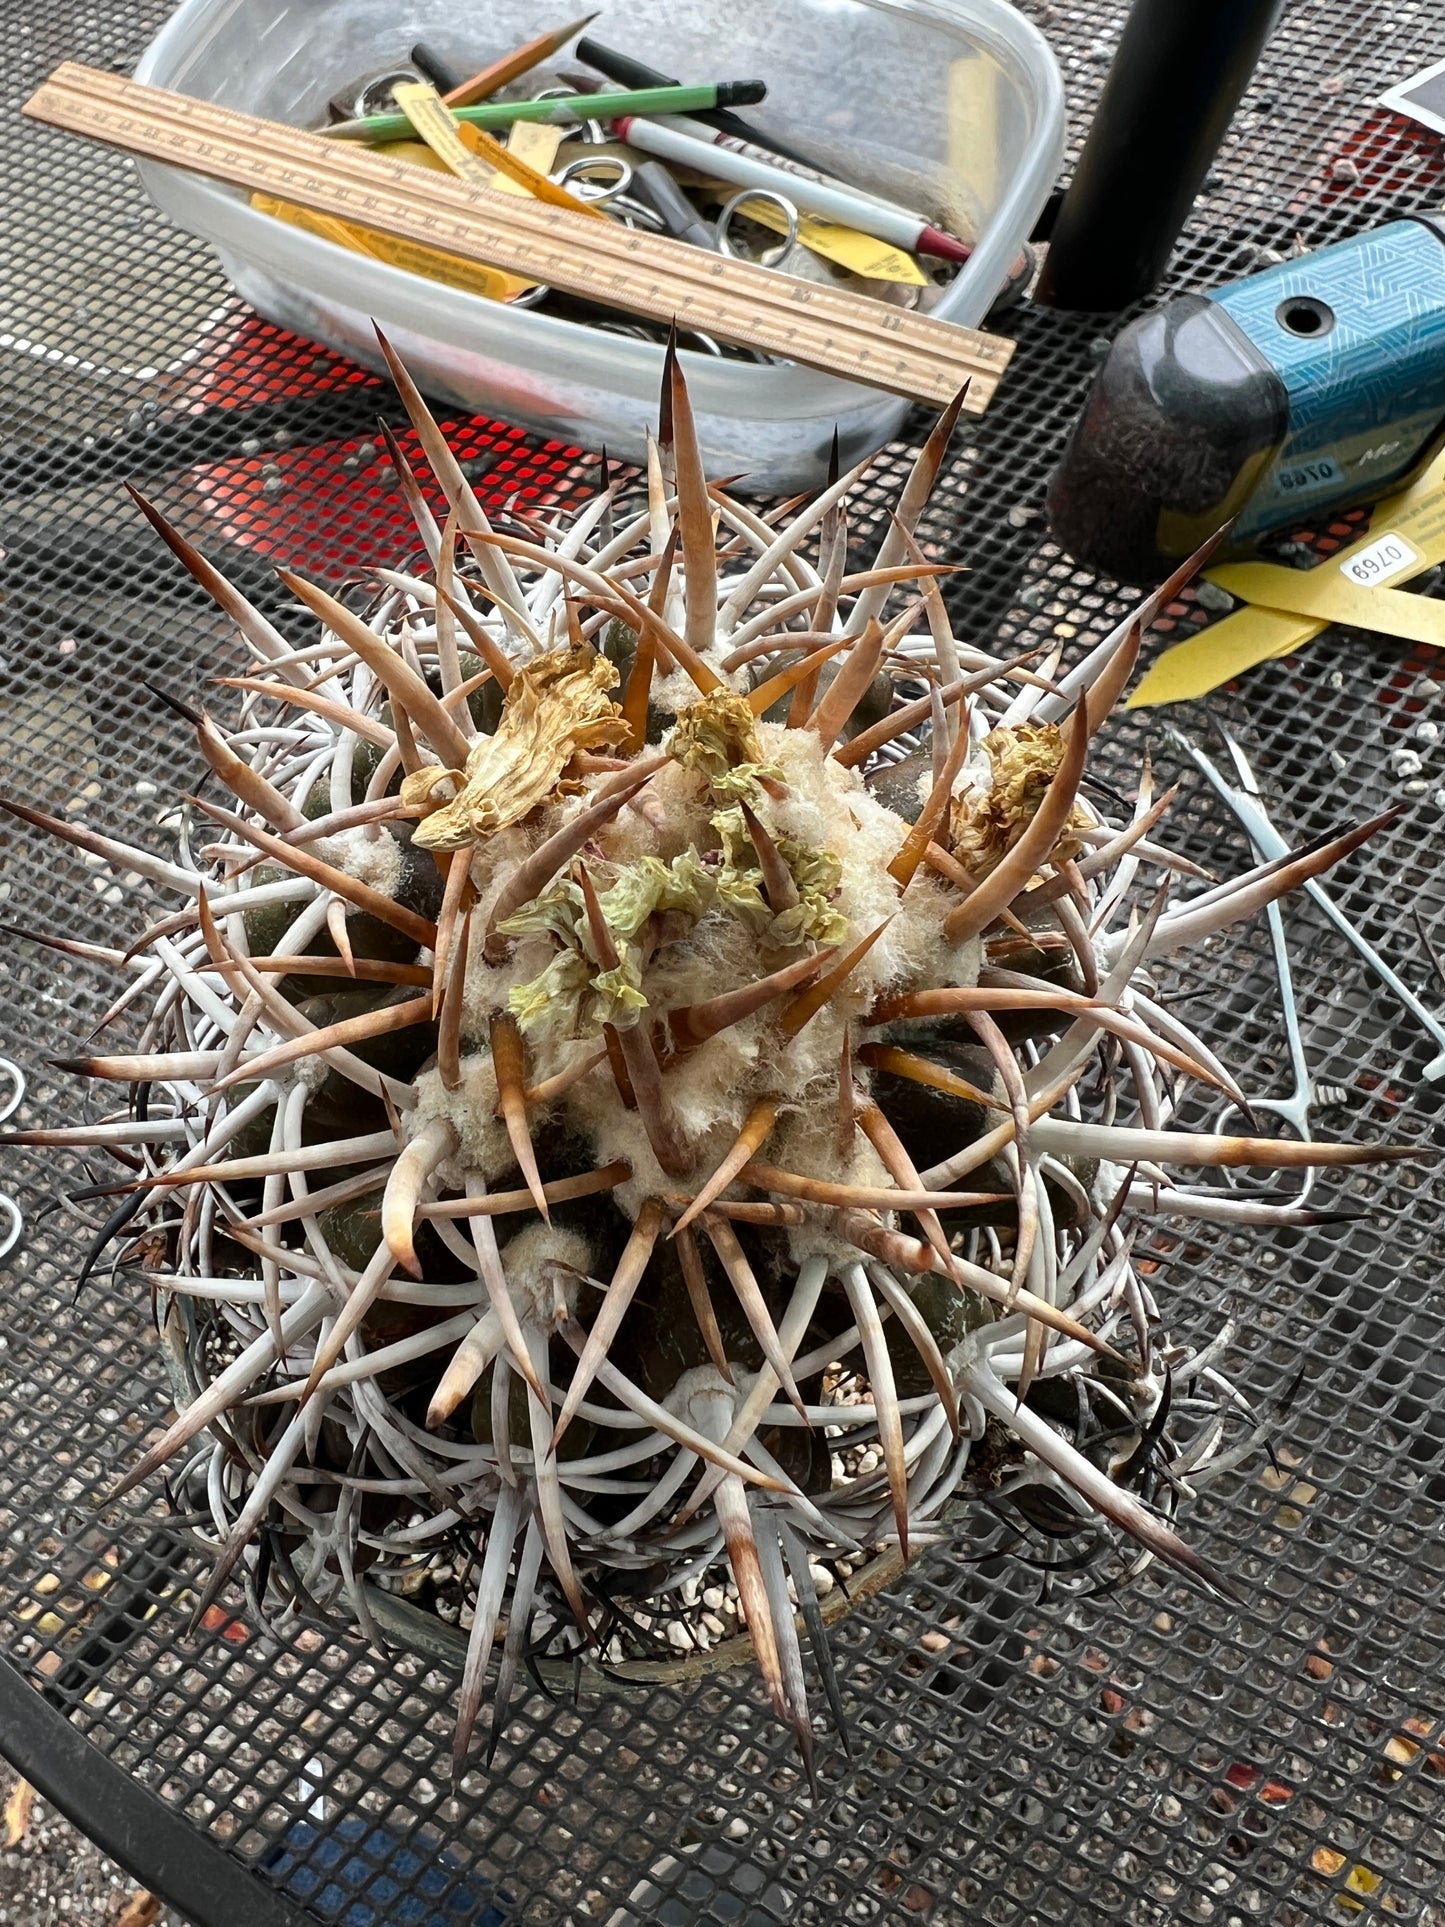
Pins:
x: 509, y: 1064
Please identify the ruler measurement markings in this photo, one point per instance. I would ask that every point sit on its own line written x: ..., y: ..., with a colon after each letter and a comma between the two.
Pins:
x: 310, y: 183
x: 926, y: 359
x: 799, y: 290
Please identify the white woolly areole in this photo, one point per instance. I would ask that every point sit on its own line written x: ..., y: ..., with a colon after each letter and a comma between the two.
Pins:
x: 496, y: 857
x: 482, y: 1141
x: 675, y: 691
x: 702, y: 1392
x: 311, y: 1072
x: 830, y: 807
x: 594, y: 1107
x: 806, y: 1139
x: 371, y: 859
x: 543, y: 1264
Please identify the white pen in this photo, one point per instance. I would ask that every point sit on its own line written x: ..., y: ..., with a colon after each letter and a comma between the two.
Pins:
x: 895, y: 225
x: 805, y: 171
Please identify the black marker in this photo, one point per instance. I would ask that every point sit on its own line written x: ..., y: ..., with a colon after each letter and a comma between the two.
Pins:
x: 628, y: 72
x: 430, y: 65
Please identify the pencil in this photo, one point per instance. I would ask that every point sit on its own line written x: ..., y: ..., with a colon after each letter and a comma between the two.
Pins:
x: 502, y: 72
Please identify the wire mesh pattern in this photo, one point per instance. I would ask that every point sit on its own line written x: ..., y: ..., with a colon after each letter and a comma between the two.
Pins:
x: 1021, y: 1751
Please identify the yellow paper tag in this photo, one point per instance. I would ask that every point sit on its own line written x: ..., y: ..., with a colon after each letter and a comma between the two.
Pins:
x: 1251, y: 636
x: 431, y: 263
x: 1323, y: 593
x: 417, y: 152
x: 432, y: 119
x: 535, y: 142
x: 341, y: 233
x: 462, y: 150
x: 516, y: 176
x: 1336, y: 590
x: 860, y: 253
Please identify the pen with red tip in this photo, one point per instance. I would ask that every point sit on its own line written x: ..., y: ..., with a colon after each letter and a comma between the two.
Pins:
x: 896, y: 225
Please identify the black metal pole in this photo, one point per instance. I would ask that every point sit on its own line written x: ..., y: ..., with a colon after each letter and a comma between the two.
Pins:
x: 1176, y: 80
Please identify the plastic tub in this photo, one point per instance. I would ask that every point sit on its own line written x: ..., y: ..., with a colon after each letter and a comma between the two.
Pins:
x: 956, y: 103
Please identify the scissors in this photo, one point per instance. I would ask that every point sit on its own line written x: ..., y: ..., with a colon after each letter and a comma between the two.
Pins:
x: 1292, y: 1111
x: 10, y: 1237
x: 606, y: 180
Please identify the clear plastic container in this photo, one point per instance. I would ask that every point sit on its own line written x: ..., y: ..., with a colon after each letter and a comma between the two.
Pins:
x: 954, y: 104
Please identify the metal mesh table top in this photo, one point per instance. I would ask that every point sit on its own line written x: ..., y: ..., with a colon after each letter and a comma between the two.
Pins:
x: 1022, y: 1752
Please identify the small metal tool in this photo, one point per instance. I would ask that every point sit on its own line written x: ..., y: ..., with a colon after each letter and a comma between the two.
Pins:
x: 10, y: 1237
x: 1268, y: 842
x: 1294, y: 1110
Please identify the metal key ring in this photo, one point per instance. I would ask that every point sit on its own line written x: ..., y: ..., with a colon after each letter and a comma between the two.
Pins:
x: 1293, y: 1113
x: 770, y: 257
x: 588, y: 177
x: 17, y: 1077
x: 11, y: 1238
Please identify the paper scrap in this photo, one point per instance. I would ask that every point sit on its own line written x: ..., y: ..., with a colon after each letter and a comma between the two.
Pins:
x: 860, y: 253
x: 18, y: 1809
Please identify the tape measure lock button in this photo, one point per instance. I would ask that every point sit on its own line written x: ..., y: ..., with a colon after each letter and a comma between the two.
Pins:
x: 1305, y: 316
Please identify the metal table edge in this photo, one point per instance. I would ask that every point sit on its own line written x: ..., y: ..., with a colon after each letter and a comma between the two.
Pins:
x: 156, y: 1844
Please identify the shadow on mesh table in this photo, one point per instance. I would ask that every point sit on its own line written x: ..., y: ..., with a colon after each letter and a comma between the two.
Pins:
x: 359, y: 1875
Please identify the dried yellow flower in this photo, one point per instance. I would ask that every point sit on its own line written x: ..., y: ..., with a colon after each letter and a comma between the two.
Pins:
x: 987, y: 823
x: 422, y: 784
x: 556, y: 706
x: 558, y: 1000
x: 718, y: 738
x: 816, y: 873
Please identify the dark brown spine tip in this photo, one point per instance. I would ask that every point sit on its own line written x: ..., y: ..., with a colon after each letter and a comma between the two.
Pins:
x: 1200, y: 1569
x: 192, y: 716
x: 669, y: 375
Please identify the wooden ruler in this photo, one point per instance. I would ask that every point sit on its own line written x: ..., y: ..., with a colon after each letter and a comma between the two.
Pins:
x: 854, y: 337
